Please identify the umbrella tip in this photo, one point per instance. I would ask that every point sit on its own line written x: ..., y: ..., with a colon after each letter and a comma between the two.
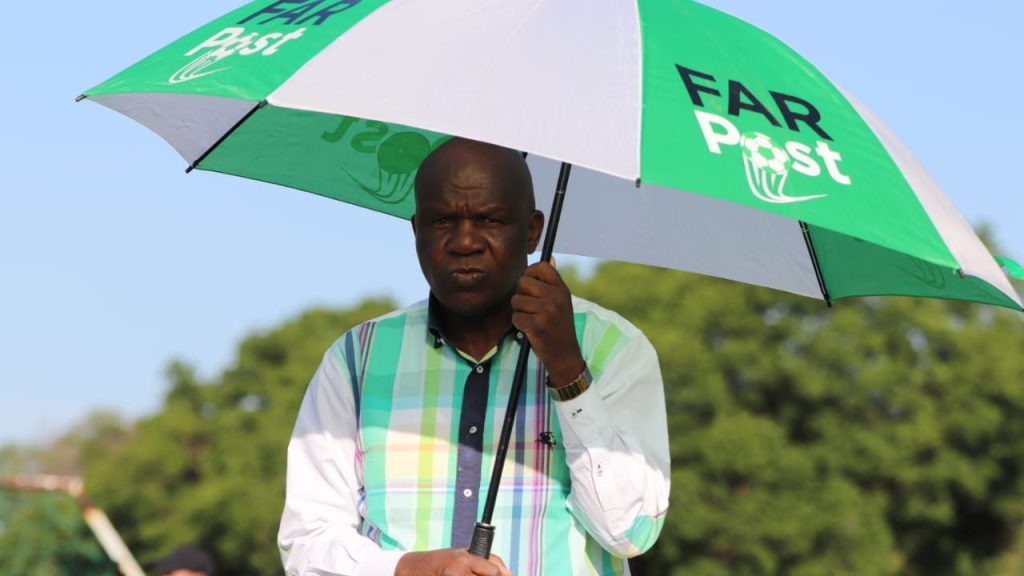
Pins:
x: 80, y: 97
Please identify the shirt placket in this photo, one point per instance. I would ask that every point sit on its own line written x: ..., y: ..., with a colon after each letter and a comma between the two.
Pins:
x: 470, y: 455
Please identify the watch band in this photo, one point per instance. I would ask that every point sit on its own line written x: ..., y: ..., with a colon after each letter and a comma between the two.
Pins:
x: 571, y: 390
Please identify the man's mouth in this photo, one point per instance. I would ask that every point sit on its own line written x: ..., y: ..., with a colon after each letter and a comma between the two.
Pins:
x: 467, y: 277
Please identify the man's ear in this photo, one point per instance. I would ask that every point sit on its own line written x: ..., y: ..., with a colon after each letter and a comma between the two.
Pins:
x: 536, y: 227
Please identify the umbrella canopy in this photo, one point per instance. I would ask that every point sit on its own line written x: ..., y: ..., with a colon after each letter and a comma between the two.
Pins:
x: 725, y: 152
x: 720, y: 150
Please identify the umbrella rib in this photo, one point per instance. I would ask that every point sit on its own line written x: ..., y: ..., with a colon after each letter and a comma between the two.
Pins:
x: 225, y: 136
x: 814, y: 261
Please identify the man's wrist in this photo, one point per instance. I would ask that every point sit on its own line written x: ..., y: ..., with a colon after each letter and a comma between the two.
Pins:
x: 571, y: 389
x: 563, y: 369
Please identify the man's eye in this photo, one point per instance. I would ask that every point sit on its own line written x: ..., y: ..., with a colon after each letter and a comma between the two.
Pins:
x: 441, y: 221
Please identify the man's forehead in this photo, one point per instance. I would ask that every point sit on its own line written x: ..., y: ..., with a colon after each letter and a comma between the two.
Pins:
x: 476, y: 193
x: 460, y: 167
x: 471, y: 175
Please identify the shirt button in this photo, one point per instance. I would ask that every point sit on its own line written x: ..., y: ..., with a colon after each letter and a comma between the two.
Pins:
x: 519, y: 335
x: 467, y: 493
x: 473, y: 429
x: 480, y: 369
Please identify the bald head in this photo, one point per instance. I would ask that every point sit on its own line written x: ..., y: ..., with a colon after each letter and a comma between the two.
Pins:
x: 462, y: 162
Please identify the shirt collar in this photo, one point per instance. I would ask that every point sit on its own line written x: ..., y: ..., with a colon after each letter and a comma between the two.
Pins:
x: 434, y: 321
x: 437, y: 339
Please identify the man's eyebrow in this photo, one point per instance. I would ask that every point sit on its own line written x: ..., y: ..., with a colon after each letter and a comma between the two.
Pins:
x: 440, y: 205
x: 494, y: 206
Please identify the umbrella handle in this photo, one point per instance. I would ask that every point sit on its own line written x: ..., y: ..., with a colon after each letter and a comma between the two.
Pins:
x: 483, y: 537
x: 483, y: 532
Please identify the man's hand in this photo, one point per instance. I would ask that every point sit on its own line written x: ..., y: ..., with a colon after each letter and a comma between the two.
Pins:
x: 451, y: 562
x: 542, y: 309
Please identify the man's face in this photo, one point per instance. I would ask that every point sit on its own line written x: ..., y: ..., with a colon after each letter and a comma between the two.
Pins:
x: 474, y: 226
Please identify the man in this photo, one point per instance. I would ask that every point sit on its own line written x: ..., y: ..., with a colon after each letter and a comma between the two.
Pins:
x: 392, y: 450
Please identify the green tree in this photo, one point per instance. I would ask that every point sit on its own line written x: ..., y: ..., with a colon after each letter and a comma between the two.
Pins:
x: 209, y: 467
x: 876, y: 437
x: 43, y: 534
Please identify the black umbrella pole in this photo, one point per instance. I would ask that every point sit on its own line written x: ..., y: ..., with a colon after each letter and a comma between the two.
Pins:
x: 483, y: 532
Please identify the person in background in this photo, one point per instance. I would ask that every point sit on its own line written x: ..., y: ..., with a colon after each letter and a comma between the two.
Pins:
x: 187, y: 560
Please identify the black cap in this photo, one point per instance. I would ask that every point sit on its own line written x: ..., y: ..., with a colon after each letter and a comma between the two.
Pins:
x: 187, y: 557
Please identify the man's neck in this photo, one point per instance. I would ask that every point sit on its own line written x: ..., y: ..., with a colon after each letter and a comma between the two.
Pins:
x: 475, y: 335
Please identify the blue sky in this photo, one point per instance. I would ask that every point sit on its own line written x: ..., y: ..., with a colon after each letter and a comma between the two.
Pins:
x: 115, y: 261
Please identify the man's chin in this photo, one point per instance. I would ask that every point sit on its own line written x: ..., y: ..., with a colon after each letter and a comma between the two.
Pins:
x: 471, y: 304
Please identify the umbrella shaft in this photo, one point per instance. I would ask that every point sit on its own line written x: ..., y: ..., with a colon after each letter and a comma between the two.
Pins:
x: 483, y: 532
x: 506, y: 432
x: 556, y: 212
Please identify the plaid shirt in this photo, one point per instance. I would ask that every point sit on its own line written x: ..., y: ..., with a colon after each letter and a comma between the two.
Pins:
x: 394, y: 444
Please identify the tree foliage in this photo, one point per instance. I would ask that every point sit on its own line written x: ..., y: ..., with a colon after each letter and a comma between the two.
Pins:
x: 877, y: 437
x: 43, y: 534
x: 209, y: 468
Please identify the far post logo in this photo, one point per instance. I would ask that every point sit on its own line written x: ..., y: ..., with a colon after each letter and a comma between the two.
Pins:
x: 292, y: 19
x: 385, y: 158
x: 766, y: 163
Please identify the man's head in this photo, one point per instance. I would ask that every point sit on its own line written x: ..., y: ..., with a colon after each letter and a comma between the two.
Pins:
x: 188, y: 560
x: 475, y: 225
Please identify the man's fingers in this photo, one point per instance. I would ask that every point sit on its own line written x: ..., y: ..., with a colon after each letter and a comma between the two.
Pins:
x: 544, y: 272
x: 492, y: 566
x: 532, y: 286
x: 534, y: 307
x: 522, y: 304
x: 526, y: 322
x: 450, y: 562
x: 540, y: 285
x: 502, y: 569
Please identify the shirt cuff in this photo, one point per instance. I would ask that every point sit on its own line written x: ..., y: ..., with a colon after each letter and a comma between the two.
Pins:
x: 380, y: 563
x: 585, y: 421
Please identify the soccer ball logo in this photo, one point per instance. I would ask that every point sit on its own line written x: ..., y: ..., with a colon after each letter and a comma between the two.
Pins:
x: 767, y: 167
x: 763, y: 153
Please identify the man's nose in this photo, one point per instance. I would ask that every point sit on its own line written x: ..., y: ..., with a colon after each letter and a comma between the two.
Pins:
x: 466, y: 237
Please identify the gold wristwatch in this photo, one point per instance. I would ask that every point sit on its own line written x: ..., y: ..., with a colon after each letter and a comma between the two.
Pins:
x: 571, y: 390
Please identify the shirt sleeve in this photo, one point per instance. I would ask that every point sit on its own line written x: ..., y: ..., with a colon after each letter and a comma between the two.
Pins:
x: 616, y: 441
x: 320, y: 525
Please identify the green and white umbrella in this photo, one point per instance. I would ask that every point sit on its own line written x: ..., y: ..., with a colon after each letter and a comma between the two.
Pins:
x: 711, y: 146
x: 726, y: 153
